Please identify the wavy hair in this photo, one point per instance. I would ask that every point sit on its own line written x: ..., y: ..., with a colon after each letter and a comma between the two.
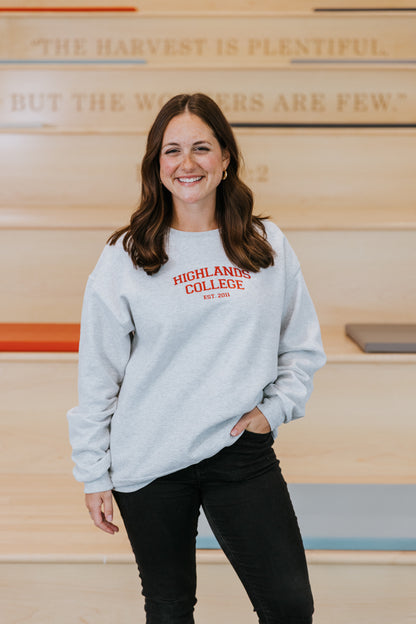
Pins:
x: 243, y: 234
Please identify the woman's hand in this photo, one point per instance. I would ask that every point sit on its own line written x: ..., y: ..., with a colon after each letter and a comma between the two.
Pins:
x: 100, y: 506
x: 253, y: 421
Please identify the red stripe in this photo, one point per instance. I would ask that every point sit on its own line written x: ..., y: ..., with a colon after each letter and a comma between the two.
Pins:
x: 69, y: 9
x: 63, y: 337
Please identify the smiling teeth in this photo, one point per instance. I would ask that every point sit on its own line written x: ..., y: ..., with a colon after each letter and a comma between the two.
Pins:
x: 189, y: 180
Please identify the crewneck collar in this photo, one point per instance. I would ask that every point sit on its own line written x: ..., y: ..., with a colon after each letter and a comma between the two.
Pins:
x: 186, y: 233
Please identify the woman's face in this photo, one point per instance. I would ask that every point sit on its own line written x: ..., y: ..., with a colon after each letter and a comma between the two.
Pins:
x: 191, y: 162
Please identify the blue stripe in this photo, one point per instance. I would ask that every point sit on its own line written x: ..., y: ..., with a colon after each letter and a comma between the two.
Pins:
x: 21, y: 126
x: 359, y: 543
x: 74, y: 62
x: 356, y: 62
x: 335, y: 543
x: 144, y: 61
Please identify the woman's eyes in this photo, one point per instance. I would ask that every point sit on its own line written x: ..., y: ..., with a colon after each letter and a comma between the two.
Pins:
x: 174, y: 150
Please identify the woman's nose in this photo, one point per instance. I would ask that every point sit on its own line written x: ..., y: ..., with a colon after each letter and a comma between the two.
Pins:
x: 188, y: 161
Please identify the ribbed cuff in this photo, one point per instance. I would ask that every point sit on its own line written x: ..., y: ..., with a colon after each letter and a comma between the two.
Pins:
x: 102, y: 484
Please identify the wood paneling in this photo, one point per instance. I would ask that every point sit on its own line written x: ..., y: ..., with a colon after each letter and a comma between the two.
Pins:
x: 226, y: 40
x: 130, y: 98
x: 331, y: 170
x: 48, y: 274
x: 359, y: 276
x: 350, y: 433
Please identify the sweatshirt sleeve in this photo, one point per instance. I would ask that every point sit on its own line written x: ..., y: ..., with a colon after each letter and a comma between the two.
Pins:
x: 104, y: 351
x: 300, y: 352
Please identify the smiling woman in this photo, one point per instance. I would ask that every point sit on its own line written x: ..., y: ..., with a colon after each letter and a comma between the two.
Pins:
x: 198, y: 340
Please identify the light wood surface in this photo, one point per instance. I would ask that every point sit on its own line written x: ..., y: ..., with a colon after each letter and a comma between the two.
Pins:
x: 215, y: 556
x: 211, y: 40
x: 350, y: 433
x: 220, y: 6
x: 339, y: 169
x: 108, y: 218
x: 352, y: 276
x: 130, y: 97
x: 45, y: 513
x: 359, y: 276
x: 104, y: 594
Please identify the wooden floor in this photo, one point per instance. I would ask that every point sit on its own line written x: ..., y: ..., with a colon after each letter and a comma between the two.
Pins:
x: 72, y: 593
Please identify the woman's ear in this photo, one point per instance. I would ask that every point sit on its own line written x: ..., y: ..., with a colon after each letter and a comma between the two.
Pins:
x: 225, y: 158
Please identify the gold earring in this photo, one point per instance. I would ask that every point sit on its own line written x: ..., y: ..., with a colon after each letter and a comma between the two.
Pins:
x: 224, y: 175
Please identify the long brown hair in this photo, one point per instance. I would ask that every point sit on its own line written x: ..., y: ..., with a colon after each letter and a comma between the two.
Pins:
x: 243, y: 234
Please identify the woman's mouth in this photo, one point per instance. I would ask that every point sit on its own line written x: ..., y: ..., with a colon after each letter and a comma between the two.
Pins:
x: 190, y: 180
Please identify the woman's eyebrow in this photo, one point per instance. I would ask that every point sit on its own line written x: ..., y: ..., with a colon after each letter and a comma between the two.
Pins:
x: 174, y: 144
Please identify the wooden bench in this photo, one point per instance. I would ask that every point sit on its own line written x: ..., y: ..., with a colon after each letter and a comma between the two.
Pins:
x: 213, y: 6
x: 332, y: 169
x: 349, y: 433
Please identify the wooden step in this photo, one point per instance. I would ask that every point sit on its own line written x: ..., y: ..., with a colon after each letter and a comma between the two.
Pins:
x: 331, y: 169
x: 376, y: 593
x: 109, y: 218
x: 353, y: 276
x: 349, y: 433
x: 130, y: 97
x: 231, y: 39
x: 218, y: 6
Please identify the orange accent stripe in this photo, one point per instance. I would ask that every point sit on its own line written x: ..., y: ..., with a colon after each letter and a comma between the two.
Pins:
x: 68, y: 9
x: 54, y: 337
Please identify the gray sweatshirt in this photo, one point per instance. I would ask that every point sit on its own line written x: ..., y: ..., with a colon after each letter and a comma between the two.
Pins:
x: 168, y: 363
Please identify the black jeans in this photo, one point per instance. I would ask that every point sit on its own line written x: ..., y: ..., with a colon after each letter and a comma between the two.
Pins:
x: 247, y: 505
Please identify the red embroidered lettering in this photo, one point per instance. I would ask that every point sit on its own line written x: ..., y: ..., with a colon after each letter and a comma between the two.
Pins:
x: 228, y: 270
x: 212, y: 285
x: 200, y: 273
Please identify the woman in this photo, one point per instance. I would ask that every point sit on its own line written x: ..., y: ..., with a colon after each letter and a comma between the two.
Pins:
x: 198, y: 340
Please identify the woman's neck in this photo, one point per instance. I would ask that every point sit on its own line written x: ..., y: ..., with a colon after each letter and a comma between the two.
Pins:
x: 189, y: 221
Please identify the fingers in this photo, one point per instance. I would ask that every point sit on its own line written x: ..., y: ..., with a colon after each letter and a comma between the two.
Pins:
x: 253, y: 421
x: 96, y: 502
x: 240, y: 426
x: 108, y: 506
